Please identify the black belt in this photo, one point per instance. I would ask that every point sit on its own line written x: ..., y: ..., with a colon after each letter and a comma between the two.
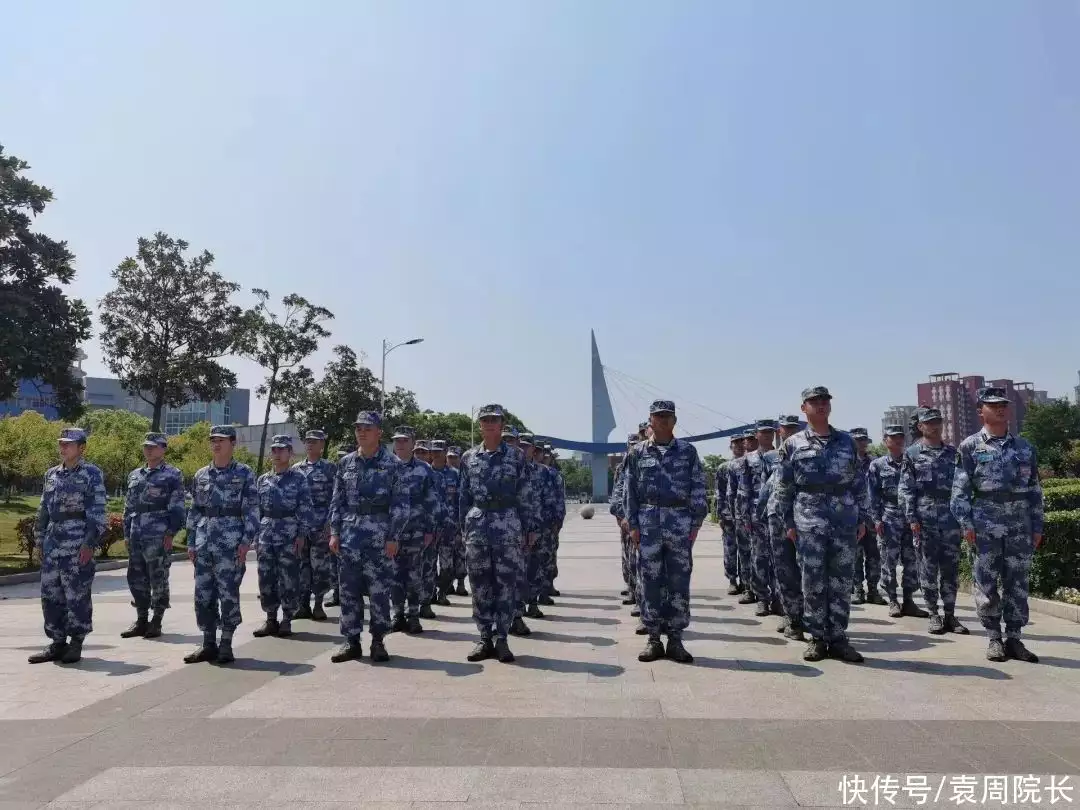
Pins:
x: 317, y: 505
x: 279, y: 514
x: 57, y: 517
x: 1001, y: 497
x: 668, y: 503
x: 825, y: 489
x: 371, y: 509
x: 223, y: 511
x: 894, y: 499
x: 496, y: 504
x: 936, y: 494
x: 148, y: 508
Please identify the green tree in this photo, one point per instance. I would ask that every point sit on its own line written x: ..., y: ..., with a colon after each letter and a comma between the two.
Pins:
x: 281, y: 343
x: 577, y: 477
x: 114, y: 443
x: 167, y: 323
x: 190, y: 451
x: 27, y: 448
x: 711, y: 463
x: 40, y: 327
x: 877, y: 450
x: 1052, y: 427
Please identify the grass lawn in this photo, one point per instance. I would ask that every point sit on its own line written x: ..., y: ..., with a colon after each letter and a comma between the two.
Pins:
x: 12, y: 561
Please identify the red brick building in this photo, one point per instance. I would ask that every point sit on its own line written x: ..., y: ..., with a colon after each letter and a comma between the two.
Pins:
x: 957, y: 399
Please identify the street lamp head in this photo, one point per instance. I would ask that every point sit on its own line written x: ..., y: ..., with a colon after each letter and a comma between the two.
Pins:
x: 414, y: 341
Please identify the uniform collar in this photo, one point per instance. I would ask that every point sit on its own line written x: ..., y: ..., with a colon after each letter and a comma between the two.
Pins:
x: 986, y: 437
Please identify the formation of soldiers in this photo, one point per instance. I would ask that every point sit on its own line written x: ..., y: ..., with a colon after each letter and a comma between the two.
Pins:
x: 814, y: 526
x: 808, y: 529
x: 395, y: 529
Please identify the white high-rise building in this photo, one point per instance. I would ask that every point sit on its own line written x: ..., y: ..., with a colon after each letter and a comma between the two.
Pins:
x: 898, y: 415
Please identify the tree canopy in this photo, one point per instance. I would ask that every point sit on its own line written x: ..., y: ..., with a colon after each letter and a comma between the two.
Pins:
x: 27, y: 447
x: 1053, y: 427
x: 40, y: 327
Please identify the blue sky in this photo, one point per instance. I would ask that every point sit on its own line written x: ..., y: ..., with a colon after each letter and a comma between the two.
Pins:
x: 741, y: 198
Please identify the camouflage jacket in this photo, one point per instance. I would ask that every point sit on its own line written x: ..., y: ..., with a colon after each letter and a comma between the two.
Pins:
x: 673, y: 478
x: 154, y: 502
x: 498, y: 480
x: 72, y: 509
x: 371, y: 499
x: 990, y: 467
x: 224, y: 506
x: 320, y: 478
x: 285, y: 510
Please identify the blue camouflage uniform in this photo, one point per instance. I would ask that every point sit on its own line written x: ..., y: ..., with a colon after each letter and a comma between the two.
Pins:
x: 665, y: 502
x: 996, y: 493
x: 335, y: 559
x: 370, y: 508
x: 756, y: 469
x: 536, y: 556
x: 71, y: 515
x: 153, y: 510
x: 618, y: 511
x: 736, y: 469
x: 286, y: 515
x: 867, y: 553
x: 821, y: 495
x: 785, y: 558
x: 894, y: 541
x: 316, y: 561
x: 459, y: 570
x: 550, y: 560
x: 497, y: 507
x: 727, y: 525
x: 926, y: 480
x: 429, y: 554
x: 446, y: 533
x: 224, y: 515
x: 424, y: 516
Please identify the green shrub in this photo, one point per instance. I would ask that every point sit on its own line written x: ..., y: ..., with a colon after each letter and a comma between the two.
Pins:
x: 24, y: 530
x: 1063, y: 498
x: 114, y: 533
x: 1054, y: 483
x: 1057, y: 563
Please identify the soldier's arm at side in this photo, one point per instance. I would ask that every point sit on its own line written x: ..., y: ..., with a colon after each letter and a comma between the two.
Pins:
x: 249, y: 507
x: 305, y: 512
x: 337, y: 503
x: 963, y: 488
x: 41, y: 525
x: 465, y: 496
x: 630, y: 493
x: 176, y: 502
x: 1035, y: 496
x: 877, y: 503
x: 785, y: 488
x: 699, y: 504
x: 528, y: 500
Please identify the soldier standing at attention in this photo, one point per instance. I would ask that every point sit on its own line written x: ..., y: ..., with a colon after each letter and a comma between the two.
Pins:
x: 221, y: 526
x: 888, y: 505
x: 70, y: 523
x: 446, y: 533
x: 744, y: 545
x: 997, y: 498
x: 785, y: 559
x: 665, y: 507
x: 529, y: 577
x: 153, y: 513
x: 418, y: 534
x: 317, y: 573
x: 429, y: 554
x: 926, y: 477
x: 618, y: 511
x: 335, y: 560
x: 867, y: 554
x: 727, y: 519
x: 285, y: 520
x: 552, y: 556
x: 368, y: 514
x: 823, y: 501
x: 453, y: 460
x: 497, y: 509
x: 757, y: 468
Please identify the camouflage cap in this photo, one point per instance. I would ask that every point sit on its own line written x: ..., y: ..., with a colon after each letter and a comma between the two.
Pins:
x: 859, y: 433
x: 929, y: 415
x: 662, y: 406
x: 437, y: 445
x: 490, y: 410
x: 632, y: 438
x: 765, y: 424
x: 73, y: 435
x: 156, y: 440
x: 315, y: 436
x: 454, y: 450
x: 222, y: 432
x: 894, y: 430
x: 510, y: 430
x: 368, y: 418
x: 992, y: 394
x: 421, y: 446
x: 643, y: 426
x: 749, y: 434
x: 525, y: 440
x: 816, y: 392
x: 281, y: 441
x: 787, y: 420
x: 738, y: 437
x: 404, y: 432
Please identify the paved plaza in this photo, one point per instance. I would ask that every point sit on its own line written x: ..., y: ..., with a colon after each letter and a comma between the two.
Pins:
x: 576, y: 721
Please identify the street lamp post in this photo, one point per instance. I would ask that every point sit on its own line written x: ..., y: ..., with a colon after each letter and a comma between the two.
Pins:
x: 382, y: 381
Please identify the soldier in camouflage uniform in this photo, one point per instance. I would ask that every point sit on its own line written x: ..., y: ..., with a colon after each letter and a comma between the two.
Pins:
x: 665, y: 507
x: 530, y: 576
x: 618, y: 511
x: 724, y: 506
x: 551, y: 554
x: 286, y: 519
x: 997, y: 498
x: 756, y: 469
x: 70, y: 524
x: 785, y: 558
x: 222, y: 524
x: 316, y: 567
x: 368, y: 513
x: 736, y: 469
x: 154, y: 512
x: 446, y: 534
x: 425, y: 514
x: 429, y: 552
x: 824, y: 504
x: 867, y: 554
x: 497, y: 508
x: 925, y: 489
x: 453, y: 462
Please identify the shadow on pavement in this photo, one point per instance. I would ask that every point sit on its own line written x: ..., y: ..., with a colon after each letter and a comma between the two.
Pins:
x: 779, y: 667
x: 589, y: 596
x: 695, y: 606
x: 304, y: 635
x: 256, y: 665
x: 867, y: 620
x: 894, y: 642
x: 1036, y: 637
x: 556, y: 665
x: 443, y: 618
x: 114, y: 669
x: 586, y: 605
x: 455, y: 669
x: 718, y: 620
x: 447, y: 635
x: 177, y: 638
x: 552, y: 617
x: 45, y: 642
x: 1054, y: 661
x: 937, y: 668
x: 562, y: 638
x: 691, y: 634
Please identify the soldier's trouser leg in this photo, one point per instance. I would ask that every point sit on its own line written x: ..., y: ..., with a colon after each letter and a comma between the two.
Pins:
x: 429, y: 558
x: 763, y: 563
x: 731, y: 553
x: 939, y: 552
x: 678, y: 566
x: 889, y: 543
x: 552, y: 571
x: 746, y: 557
x: 786, y: 564
x: 229, y: 574
x: 307, y: 575
x: 446, y: 560
x: 408, y: 571
x: 158, y: 563
x: 523, y: 591
x: 910, y: 559
x: 539, y: 560
x: 207, y: 599
x: 860, y: 565
x: 871, y: 558
x: 66, y: 594
x: 826, y: 559
x: 317, y: 553
x: 279, y: 578
x: 481, y: 567
x: 138, y: 574
x: 352, y: 587
x: 624, y: 545
x: 461, y: 569
x: 335, y: 570
x: 1003, y: 550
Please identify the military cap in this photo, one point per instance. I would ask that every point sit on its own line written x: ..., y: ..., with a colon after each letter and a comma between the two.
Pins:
x: 662, y: 406
x: 526, y: 435
x: 422, y: 445
x: 643, y: 426
x: 315, y: 436
x: 787, y: 420
x: 630, y: 439
x: 765, y: 424
x: 453, y: 451
x: 738, y: 437
x: 281, y: 440
x: 894, y: 430
x: 490, y: 410
x: 510, y: 430
x: 929, y: 415
x: 749, y: 434
x: 73, y: 435
x: 992, y: 394
x: 156, y: 440
x: 369, y: 418
x: 222, y: 432
x: 859, y: 433
x: 816, y: 392
x: 404, y: 432
x: 524, y: 439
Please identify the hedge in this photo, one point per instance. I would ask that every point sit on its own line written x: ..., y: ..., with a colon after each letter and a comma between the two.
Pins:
x: 1054, y: 483
x: 1064, y: 498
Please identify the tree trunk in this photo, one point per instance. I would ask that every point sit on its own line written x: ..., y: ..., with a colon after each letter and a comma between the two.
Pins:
x: 266, y: 418
x: 159, y: 407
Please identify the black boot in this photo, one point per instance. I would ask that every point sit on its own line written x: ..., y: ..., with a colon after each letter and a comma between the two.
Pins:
x: 349, y: 651
x: 762, y: 609
x: 996, y: 651
x: 873, y: 596
x: 1014, y: 648
x: 641, y: 629
x: 858, y: 597
x: 335, y: 598
x: 909, y: 608
x: 546, y: 601
x: 54, y: 652
x: 207, y: 651
x: 843, y: 651
x: 937, y: 626
x: 153, y: 628
x: 138, y: 629
x: 794, y: 631
x: 677, y: 652
x: 317, y: 612
x: 734, y: 589
x: 519, y: 628
x: 895, y: 611
x: 73, y: 653
x: 952, y: 625
x: 284, y: 629
x: 426, y: 612
x: 304, y: 611
x: 225, y: 653
x: 533, y: 612
x: 461, y: 589
x: 441, y: 599
x: 268, y: 628
x: 483, y: 650
x: 555, y: 592
x: 629, y: 600
x: 379, y: 655
x: 399, y: 625
x: 816, y: 650
x: 413, y: 626
x: 502, y: 652
x: 777, y: 608
x: 635, y: 611
x: 624, y: 592
x: 654, y: 650
x: 783, y: 625
x: 747, y: 598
